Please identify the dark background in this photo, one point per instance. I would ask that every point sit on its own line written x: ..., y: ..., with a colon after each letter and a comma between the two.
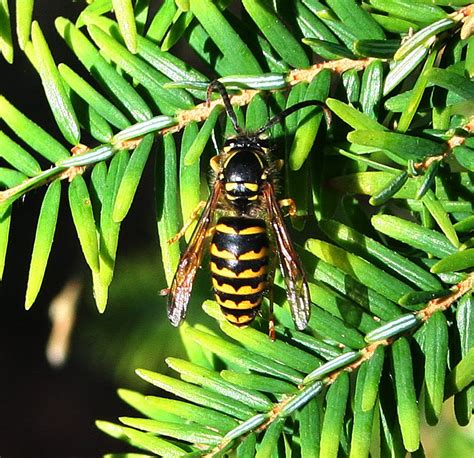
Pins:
x: 46, y: 411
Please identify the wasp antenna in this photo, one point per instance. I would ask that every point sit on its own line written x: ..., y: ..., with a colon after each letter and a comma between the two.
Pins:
x: 225, y: 98
x: 285, y: 113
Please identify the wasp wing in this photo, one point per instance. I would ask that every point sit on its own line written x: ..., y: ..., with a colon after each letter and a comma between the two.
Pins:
x: 180, y: 291
x: 297, y: 288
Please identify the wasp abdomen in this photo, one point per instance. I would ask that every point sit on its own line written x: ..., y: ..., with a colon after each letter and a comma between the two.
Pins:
x: 239, y: 266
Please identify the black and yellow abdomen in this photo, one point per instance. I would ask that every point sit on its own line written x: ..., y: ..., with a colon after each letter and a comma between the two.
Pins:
x: 239, y: 266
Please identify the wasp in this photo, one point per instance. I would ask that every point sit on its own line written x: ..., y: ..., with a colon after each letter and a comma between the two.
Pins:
x: 249, y: 234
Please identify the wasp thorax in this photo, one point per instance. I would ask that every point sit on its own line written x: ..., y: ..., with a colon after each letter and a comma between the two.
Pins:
x: 243, y: 172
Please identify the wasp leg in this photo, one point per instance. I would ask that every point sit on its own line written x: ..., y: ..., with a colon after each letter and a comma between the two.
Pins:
x: 194, y: 216
x: 290, y: 203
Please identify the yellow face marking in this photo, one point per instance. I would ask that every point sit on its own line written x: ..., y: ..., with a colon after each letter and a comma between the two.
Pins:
x: 245, y: 289
x: 223, y: 254
x: 251, y: 255
x: 248, y: 273
x: 243, y: 305
x: 253, y: 197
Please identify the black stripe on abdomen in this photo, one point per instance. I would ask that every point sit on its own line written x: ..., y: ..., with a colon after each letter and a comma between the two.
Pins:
x: 239, y: 266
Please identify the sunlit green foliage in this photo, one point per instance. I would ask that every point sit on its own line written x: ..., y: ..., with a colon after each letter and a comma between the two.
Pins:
x: 384, y: 196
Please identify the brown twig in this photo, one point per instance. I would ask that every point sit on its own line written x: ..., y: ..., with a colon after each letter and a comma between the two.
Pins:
x: 336, y: 66
x: 440, y: 304
x: 200, y: 113
x: 203, y: 110
x: 455, y: 140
